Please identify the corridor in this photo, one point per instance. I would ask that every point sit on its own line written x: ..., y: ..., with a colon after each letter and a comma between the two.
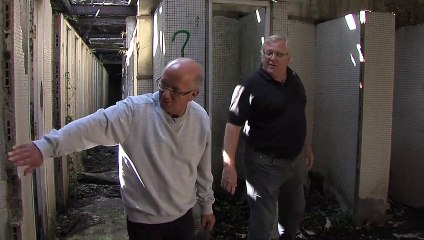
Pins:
x: 359, y: 63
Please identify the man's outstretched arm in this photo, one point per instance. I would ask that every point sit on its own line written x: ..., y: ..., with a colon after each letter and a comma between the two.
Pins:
x: 104, y: 127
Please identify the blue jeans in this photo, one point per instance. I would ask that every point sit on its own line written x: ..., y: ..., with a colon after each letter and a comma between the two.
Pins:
x: 273, y: 183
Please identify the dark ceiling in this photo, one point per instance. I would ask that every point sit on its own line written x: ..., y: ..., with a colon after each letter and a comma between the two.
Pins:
x: 101, y: 23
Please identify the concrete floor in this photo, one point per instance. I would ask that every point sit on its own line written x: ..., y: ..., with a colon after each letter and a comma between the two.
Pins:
x: 112, y: 225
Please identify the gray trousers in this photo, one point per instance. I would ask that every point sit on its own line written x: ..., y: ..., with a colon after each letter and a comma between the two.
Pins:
x: 273, y: 184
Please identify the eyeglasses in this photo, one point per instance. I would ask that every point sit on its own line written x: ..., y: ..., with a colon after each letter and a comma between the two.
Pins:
x: 174, y: 92
x: 276, y: 54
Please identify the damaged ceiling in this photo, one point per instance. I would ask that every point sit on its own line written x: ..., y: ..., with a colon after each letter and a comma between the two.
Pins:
x: 101, y: 23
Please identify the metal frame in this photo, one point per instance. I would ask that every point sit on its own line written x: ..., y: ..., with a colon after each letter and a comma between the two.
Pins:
x: 103, y: 10
x: 257, y: 3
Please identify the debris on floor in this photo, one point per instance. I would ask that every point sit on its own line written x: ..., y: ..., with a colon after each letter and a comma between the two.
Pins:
x: 95, y: 206
x: 96, y: 211
x: 324, y: 220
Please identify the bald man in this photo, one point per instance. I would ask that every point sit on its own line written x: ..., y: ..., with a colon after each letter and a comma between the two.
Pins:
x: 164, y: 159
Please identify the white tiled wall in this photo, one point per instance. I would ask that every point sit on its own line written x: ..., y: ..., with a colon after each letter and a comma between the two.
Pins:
x: 43, y: 74
x: 279, y: 24
x: 377, y: 106
x: 301, y: 36
x: 337, y: 108
x: 407, y: 165
x: 187, y: 15
x: 22, y: 210
x: 225, y: 76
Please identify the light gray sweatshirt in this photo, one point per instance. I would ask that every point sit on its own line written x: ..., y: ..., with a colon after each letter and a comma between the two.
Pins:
x: 164, y: 163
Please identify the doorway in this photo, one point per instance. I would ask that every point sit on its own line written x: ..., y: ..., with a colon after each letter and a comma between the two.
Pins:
x: 237, y: 30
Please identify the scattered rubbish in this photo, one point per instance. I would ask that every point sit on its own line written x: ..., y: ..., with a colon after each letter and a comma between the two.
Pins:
x: 409, y: 236
x: 310, y: 233
x: 328, y: 224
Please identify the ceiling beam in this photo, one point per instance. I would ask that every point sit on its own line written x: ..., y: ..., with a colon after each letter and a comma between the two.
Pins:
x: 112, y: 62
x: 61, y: 6
x: 104, y: 40
x: 102, y: 21
x: 106, y: 44
x: 103, y: 10
x: 107, y: 48
x: 105, y: 35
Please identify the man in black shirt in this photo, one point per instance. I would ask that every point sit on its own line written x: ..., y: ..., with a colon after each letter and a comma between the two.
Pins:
x: 270, y: 106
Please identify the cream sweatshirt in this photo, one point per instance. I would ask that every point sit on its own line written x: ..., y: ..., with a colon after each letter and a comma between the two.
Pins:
x: 164, y: 162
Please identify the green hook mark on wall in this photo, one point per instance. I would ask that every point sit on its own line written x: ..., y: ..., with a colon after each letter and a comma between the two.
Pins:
x: 186, y: 41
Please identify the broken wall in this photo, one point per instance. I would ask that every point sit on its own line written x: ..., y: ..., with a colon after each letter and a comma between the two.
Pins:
x: 407, y: 163
x: 144, y: 75
x: 4, y: 209
x: 80, y: 85
x: 42, y: 104
x: 129, y: 80
x: 17, y: 124
x: 158, y: 43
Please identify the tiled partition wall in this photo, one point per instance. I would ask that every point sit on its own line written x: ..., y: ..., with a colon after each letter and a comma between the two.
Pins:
x: 4, y: 209
x: 80, y: 85
x: 337, y: 108
x: 376, y: 122
x: 301, y: 36
x: 352, y: 119
x: 279, y: 24
x: 17, y: 125
x: 407, y: 165
x: 43, y: 113
x: 225, y: 76
x: 158, y: 42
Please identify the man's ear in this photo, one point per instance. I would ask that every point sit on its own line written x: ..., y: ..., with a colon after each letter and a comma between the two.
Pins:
x: 194, y: 95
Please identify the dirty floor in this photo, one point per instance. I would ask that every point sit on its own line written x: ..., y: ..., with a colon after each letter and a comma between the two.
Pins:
x: 96, y: 211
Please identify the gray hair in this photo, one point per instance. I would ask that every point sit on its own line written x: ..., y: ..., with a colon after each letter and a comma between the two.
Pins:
x: 274, y: 39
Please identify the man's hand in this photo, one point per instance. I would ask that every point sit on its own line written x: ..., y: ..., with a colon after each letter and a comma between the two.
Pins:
x: 208, y: 221
x: 229, y: 179
x: 26, y: 155
x: 309, y: 157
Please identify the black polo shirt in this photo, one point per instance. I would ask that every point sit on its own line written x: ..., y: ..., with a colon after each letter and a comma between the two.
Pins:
x: 272, y: 113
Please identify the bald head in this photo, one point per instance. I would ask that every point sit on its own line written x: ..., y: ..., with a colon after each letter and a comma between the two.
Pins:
x: 183, y: 71
x: 179, y: 85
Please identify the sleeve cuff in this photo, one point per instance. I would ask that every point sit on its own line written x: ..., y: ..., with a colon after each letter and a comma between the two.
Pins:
x: 206, y: 209
x: 236, y: 122
x: 44, y: 148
